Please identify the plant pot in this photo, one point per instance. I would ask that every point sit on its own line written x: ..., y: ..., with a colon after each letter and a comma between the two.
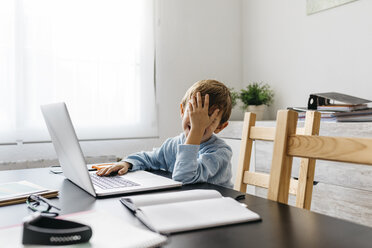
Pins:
x: 259, y: 110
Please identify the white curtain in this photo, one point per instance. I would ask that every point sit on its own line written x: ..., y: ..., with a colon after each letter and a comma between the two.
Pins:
x: 95, y: 55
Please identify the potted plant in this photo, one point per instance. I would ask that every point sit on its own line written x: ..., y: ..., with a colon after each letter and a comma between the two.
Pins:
x: 256, y: 97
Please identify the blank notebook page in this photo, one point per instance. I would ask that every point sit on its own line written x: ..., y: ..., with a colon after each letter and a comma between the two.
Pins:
x: 110, y: 231
x: 190, y: 215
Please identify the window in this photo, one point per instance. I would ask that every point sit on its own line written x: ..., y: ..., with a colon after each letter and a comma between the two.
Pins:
x: 95, y: 55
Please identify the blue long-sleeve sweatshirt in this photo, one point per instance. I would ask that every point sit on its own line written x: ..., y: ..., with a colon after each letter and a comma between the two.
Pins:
x: 208, y: 162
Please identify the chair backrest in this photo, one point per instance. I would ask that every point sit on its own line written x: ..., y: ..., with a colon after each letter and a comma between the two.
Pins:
x: 278, y: 182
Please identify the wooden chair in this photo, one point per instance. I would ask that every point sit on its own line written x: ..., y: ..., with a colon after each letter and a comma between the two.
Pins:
x: 279, y: 182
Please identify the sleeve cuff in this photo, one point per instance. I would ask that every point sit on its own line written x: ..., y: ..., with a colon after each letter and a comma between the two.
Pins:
x: 136, y: 165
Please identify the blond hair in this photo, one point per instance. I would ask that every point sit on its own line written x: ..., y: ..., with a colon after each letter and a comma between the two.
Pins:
x: 219, y: 96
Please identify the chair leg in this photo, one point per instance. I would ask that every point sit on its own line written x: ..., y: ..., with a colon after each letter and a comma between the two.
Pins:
x: 245, y: 152
x: 281, y: 166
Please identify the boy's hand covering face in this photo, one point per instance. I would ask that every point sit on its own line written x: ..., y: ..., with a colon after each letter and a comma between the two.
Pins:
x: 197, y: 123
x: 199, y: 113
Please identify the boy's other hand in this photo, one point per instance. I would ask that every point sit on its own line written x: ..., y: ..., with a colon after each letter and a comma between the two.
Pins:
x: 120, y: 167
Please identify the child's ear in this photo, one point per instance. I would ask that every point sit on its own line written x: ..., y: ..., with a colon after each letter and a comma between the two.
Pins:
x: 182, y: 111
x: 221, y: 127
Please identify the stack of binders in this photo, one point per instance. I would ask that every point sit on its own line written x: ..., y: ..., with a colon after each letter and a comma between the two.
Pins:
x: 335, y: 106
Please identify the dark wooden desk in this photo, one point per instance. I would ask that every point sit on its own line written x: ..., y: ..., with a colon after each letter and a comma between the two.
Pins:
x: 281, y: 225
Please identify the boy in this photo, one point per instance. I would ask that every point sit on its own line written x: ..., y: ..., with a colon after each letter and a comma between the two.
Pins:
x: 196, y: 155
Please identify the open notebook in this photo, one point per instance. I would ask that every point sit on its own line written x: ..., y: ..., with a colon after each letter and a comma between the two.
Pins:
x: 187, y: 210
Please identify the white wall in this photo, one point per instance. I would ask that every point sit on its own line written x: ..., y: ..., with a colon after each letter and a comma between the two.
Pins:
x: 195, y: 40
x: 299, y: 54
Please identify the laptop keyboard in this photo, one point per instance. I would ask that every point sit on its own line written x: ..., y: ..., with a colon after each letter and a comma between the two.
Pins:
x: 111, y: 182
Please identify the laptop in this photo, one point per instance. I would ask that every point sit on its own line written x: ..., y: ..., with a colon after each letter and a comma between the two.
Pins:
x: 75, y: 169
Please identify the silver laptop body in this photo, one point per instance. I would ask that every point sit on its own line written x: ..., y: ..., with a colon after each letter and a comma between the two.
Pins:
x: 73, y: 164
